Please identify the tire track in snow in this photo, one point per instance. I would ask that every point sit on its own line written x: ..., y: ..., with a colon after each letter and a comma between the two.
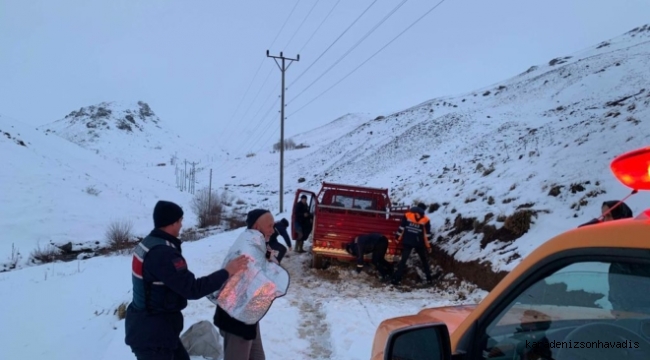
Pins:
x: 313, y: 325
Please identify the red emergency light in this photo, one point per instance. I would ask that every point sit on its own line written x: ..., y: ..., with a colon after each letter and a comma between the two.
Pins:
x: 632, y: 169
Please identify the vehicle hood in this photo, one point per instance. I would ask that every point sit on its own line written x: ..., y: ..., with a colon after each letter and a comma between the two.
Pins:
x: 452, y: 316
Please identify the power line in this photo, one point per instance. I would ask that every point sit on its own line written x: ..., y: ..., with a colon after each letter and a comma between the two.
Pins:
x: 258, y: 69
x: 332, y: 44
x: 305, y: 44
x: 368, y: 59
x: 285, y: 23
x: 352, y: 48
x: 248, y: 139
x: 319, y: 26
x: 301, y: 24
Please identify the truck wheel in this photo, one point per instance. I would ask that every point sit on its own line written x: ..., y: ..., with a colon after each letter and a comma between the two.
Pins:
x: 316, y: 261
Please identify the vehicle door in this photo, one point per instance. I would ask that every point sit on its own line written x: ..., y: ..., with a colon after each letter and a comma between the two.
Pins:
x: 593, y: 305
x: 588, y: 307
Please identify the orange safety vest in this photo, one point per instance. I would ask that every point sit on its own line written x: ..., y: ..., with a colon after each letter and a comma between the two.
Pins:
x: 415, y: 218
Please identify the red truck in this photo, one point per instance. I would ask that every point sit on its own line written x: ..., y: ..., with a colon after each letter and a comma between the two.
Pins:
x: 342, y: 212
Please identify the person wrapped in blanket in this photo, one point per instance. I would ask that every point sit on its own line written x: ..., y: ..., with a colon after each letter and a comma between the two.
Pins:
x: 244, y: 300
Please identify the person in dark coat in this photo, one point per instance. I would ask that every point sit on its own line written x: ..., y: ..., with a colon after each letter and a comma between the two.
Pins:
x: 623, y: 276
x: 377, y: 244
x: 415, y: 234
x: 162, y: 284
x: 303, y: 219
x: 280, y: 229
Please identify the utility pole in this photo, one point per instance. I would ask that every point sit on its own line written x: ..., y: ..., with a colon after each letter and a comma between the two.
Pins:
x: 283, y: 69
x: 210, y: 197
x: 193, y: 177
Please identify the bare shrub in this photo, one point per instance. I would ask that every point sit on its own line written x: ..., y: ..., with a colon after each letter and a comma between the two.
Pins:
x: 14, y: 258
x: 519, y: 222
x: 434, y: 207
x: 289, y: 144
x: 44, y: 255
x: 235, y: 221
x: 119, y: 235
x: 251, y: 154
x: 91, y: 190
x: 120, y: 312
x: 208, y: 207
x: 193, y: 234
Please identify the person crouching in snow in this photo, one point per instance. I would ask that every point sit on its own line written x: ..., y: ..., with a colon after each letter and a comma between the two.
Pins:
x: 280, y: 229
x: 245, y: 299
x: 162, y: 284
x: 376, y: 244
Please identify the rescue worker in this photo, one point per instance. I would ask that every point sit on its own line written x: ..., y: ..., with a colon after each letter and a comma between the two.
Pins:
x: 280, y: 229
x: 415, y: 234
x: 303, y: 224
x: 374, y: 243
x: 162, y: 284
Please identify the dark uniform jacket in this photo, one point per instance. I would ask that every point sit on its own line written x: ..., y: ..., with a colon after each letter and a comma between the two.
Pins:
x: 301, y: 209
x: 280, y: 230
x: 162, y: 284
x: 366, y: 244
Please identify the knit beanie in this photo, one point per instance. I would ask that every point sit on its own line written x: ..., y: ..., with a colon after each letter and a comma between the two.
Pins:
x: 253, y: 215
x: 284, y: 222
x: 166, y: 213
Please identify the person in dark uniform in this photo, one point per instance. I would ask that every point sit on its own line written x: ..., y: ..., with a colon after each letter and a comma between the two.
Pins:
x: 162, y: 284
x: 415, y: 234
x: 280, y: 229
x: 303, y: 220
x: 374, y: 243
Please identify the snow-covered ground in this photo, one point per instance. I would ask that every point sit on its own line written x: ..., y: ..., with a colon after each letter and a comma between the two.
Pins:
x: 551, y: 130
x: 333, y: 318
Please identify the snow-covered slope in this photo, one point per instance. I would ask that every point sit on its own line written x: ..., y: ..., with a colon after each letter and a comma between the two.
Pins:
x: 494, y: 151
x: 334, y: 130
x: 56, y: 191
x: 125, y: 132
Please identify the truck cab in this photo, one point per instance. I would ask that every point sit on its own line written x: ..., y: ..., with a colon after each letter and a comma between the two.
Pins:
x: 341, y: 212
x: 581, y: 295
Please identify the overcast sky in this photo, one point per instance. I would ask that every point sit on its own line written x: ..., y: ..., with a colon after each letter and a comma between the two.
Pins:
x: 193, y: 61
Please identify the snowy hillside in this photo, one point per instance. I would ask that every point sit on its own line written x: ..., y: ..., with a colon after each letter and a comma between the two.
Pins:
x: 127, y: 133
x: 55, y: 191
x: 334, y: 130
x: 540, y: 142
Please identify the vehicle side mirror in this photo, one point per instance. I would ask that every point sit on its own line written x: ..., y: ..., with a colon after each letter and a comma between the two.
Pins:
x: 419, y: 342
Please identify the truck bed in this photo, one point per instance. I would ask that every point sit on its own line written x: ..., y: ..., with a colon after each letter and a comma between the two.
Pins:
x: 334, y: 227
